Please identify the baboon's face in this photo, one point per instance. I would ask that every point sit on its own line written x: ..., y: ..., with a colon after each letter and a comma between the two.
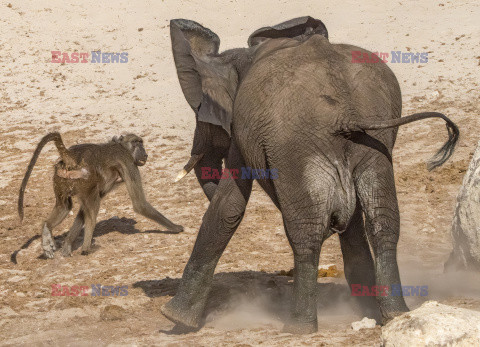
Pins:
x: 134, y: 144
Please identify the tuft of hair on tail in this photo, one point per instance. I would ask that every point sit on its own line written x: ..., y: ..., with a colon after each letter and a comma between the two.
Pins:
x: 447, y: 149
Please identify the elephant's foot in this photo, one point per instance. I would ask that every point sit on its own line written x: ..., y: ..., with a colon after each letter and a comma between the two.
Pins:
x: 180, y: 314
x: 396, y: 308
x: 373, y: 313
x: 369, y: 308
x: 390, y: 315
x: 301, y: 328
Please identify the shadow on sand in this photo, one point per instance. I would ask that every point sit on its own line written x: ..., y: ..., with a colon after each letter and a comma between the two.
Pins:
x: 122, y: 225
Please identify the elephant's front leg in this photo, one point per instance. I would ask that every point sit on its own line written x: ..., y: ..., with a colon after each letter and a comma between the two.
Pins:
x: 214, y: 143
x: 219, y: 223
x: 211, y: 162
x: 376, y: 190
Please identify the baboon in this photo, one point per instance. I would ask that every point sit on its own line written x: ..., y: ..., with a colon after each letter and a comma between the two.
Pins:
x: 90, y: 171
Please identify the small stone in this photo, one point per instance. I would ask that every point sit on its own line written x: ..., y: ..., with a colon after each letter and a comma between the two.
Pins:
x: 365, y: 323
x: 286, y: 273
x: 329, y: 271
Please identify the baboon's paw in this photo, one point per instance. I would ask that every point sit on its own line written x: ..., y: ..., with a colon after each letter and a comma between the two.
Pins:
x: 177, y: 229
x: 48, y: 245
x: 49, y: 254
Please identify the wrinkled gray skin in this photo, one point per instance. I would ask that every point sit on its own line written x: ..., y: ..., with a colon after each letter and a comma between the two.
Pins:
x: 294, y: 102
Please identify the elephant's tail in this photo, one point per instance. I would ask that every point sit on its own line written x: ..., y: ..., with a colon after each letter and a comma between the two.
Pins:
x: 438, y: 159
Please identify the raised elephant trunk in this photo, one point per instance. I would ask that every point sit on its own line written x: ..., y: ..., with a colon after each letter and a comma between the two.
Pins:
x: 192, y: 162
x: 437, y: 160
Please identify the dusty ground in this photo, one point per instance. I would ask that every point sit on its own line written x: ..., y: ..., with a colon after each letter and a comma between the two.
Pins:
x: 93, y: 102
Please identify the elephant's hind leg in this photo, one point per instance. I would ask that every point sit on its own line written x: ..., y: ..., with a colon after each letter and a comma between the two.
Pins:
x: 358, y: 264
x: 306, y: 211
x: 221, y: 220
x: 376, y: 190
x: 305, y: 239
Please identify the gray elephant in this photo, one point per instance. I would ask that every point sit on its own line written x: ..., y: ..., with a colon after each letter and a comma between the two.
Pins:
x: 294, y: 102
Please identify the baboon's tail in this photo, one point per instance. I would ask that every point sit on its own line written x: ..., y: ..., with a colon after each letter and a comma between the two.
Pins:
x: 64, y: 154
x: 438, y: 159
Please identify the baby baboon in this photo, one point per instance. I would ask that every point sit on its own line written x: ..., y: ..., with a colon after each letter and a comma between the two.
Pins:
x: 90, y: 171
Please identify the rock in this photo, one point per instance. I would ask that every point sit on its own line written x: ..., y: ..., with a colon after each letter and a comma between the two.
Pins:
x: 365, y: 323
x: 434, y: 324
x: 433, y: 95
x: 466, y: 221
x: 112, y: 312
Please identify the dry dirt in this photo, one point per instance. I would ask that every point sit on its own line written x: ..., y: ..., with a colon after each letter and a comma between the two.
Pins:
x: 93, y: 102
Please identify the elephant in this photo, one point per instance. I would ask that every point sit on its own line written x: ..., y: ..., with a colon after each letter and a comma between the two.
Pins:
x: 295, y: 102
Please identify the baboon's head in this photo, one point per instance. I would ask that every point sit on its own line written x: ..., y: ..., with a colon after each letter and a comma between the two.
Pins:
x: 134, y: 144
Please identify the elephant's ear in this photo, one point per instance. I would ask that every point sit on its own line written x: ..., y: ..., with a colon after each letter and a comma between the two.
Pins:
x: 297, y: 28
x: 209, y: 84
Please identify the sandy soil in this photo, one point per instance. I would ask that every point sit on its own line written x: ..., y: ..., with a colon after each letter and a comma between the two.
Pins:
x: 93, y: 102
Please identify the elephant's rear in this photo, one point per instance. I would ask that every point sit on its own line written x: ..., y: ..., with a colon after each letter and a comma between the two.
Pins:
x: 286, y: 112
x: 293, y: 99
